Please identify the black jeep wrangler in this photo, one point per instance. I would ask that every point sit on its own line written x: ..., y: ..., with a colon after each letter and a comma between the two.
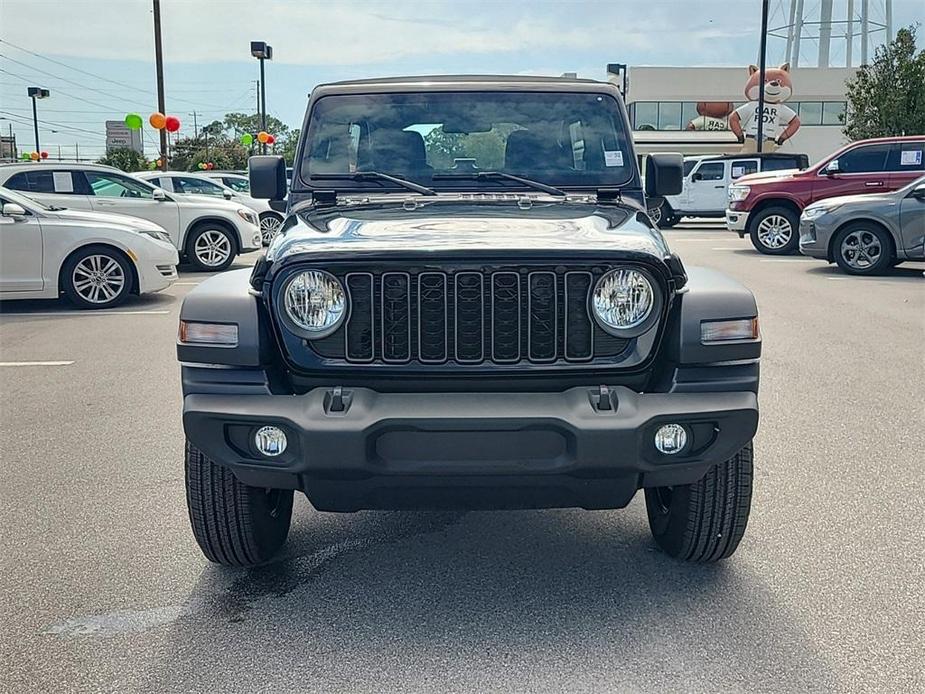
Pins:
x: 467, y: 306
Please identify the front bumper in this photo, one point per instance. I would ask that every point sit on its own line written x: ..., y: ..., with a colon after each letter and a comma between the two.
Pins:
x: 736, y: 221
x: 473, y: 450
x: 812, y: 243
x: 157, y: 270
x: 251, y: 239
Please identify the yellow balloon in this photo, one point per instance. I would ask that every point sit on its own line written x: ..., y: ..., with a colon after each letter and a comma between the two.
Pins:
x: 263, y: 136
x: 157, y: 120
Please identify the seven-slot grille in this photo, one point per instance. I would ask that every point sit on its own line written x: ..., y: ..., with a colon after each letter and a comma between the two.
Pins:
x: 504, y: 316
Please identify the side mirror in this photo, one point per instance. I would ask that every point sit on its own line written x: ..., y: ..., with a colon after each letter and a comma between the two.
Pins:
x: 664, y: 174
x: 227, y: 194
x: 697, y: 177
x: 159, y: 194
x: 267, y: 175
x: 11, y: 209
x: 831, y: 168
x: 917, y: 192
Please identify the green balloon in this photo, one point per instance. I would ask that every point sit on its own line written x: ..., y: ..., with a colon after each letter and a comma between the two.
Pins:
x: 247, y: 139
x: 25, y: 156
x: 133, y: 121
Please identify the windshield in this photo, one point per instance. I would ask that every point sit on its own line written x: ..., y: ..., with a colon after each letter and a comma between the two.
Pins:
x: 689, y: 164
x: 561, y: 139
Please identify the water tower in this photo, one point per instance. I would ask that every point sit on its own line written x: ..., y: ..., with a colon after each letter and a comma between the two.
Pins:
x: 830, y: 33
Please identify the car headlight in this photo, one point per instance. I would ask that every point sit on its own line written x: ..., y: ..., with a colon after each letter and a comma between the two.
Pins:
x: 247, y: 215
x: 738, y: 193
x: 816, y: 211
x: 624, y: 302
x: 315, y: 303
x: 155, y: 234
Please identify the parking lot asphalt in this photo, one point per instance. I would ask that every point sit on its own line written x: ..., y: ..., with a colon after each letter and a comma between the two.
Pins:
x: 104, y: 590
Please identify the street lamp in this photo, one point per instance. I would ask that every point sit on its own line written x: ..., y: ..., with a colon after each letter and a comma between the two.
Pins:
x: 37, y: 93
x: 262, y: 51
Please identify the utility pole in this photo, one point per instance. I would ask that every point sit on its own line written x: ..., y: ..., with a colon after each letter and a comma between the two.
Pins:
x: 195, y: 125
x: 761, y: 73
x: 262, y: 51
x: 159, y: 63
x: 77, y: 152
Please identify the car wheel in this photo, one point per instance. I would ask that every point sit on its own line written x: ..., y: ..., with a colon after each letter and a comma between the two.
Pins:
x: 775, y: 231
x: 270, y: 223
x: 704, y: 521
x: 234, y: 524
x: 211, y: 248
x: 97, y: 277
x: 862, y: 248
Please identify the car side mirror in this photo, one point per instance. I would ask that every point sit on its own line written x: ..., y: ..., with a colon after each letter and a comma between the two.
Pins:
x: 267, y: 175
x: 159, y: 194
x: 917, y: 192
x: 831, y: 168
x: 11, y: 209
x: 664, y: 174
x: 227, y: 194
x: 697, y: 177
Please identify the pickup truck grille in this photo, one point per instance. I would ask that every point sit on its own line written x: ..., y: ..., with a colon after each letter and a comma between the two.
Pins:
x: 504, y: 316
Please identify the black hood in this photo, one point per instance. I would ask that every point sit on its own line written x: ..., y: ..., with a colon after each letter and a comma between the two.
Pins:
x: 470, y: 228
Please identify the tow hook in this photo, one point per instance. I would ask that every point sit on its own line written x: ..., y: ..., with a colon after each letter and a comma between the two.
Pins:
x: 603, y: 399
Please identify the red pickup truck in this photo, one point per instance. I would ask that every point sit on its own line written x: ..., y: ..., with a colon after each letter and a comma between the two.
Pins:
x: 767, y: 206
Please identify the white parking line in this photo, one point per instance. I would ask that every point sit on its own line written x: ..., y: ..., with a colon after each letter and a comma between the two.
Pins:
x: 36, y: 363
x: 837, y: 279
x: 86, y: 313
x: 695, y: 238
x: 728, y: 248
x: 186, y: 284
x: 788, y: 260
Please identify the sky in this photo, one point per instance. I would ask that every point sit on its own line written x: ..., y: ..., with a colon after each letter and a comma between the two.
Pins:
x: 97, y: 56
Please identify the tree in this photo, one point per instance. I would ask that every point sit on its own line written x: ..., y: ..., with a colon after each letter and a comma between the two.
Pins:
x: 887, y: 97
x: 126, y: 159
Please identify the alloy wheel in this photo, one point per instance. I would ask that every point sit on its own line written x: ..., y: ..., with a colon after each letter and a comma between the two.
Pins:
x: 212, y: 248
x: 269, y: 228
x: 861, y: 249
x: 775, y: 231
x: 98, y: 279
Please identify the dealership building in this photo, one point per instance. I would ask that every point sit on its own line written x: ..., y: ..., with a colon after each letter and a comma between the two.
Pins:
x: 667, y: 105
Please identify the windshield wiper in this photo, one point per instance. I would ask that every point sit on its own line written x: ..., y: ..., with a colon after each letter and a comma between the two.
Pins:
x: 486, y: 175
x: 377, y: 176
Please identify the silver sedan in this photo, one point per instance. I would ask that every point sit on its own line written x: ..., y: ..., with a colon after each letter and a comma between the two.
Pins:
x: 867, y: 234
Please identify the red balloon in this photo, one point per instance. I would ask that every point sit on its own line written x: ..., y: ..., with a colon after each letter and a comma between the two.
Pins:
x: 270, y: 139
x: 172, y: 124
x: 44, y: 155
x: 210, y: 166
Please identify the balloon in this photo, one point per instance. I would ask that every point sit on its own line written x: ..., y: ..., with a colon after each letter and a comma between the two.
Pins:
x: 247, y: 139
x: 262, y: 136
x: 43, y: 155
x: 157, y: 120
x: 152, y: 165
x: 172, y: 124
x: 133, y: 121
x: 210, y: 166
x: 201, y: 165
x: 25, y: 156
x: 270, y: 139
x: 34, y: 156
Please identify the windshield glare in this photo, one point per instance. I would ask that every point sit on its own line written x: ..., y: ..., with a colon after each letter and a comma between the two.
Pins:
x: 562, y: 139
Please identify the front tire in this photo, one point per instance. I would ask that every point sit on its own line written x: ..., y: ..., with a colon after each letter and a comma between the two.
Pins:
x: 210, y: 248
x: 776, y: 231
x: 863, y: 248
x: 96, y: 277
x: 234, y: 524
x: 270, y: 222
x: 704, y: 521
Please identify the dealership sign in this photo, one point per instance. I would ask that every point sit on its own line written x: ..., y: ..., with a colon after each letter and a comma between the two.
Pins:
x: 119, y: 135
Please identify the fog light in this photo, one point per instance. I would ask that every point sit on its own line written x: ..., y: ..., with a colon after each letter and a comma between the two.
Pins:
x: 270, y: 440
x: 670, y: 438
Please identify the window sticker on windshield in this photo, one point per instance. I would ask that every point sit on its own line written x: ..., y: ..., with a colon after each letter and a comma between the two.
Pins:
x: 615, y: 158
x: 911, y: 157
x: 738, y: 171
x: 65, y: 184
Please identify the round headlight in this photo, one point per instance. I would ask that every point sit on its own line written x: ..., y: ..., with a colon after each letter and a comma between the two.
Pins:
x: 315, y: 302
x: 623, y: 300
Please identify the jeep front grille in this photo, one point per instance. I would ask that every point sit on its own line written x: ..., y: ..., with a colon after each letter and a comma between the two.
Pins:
x: 503, y: 316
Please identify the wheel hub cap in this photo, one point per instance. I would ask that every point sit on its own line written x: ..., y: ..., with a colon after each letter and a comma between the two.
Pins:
x: 861, y: 249
x: 98, y: 279
x: 775, y: 231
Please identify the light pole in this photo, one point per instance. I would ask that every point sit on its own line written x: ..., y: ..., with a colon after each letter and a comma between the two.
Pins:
x: 37, y: 93
x: 262, y: 51
x: 759, y: 136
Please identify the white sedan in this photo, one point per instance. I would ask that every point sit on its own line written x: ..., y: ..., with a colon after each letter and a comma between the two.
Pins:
x: 185, y: 183
x: 97, y: 260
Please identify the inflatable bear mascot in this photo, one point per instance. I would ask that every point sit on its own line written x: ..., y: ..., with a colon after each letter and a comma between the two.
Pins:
x: 780, y: 121
x: 712, y: 115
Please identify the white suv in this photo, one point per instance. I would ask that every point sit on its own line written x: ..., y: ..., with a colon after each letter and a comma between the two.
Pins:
x: 184, y: 183
x: 206, y: 231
